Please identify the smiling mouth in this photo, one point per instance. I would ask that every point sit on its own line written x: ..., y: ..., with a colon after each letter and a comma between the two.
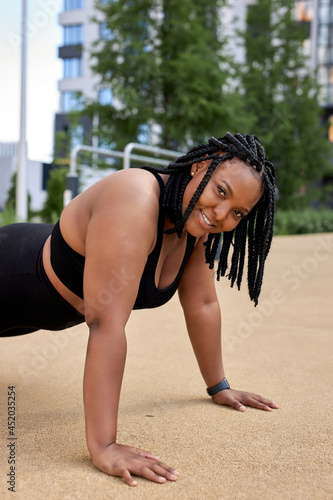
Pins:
x: 205, y: 219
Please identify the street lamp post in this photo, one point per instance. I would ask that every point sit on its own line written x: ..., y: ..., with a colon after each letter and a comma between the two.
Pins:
x: 21, y: 180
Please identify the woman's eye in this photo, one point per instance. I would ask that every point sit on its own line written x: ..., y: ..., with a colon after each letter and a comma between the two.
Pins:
x: 238, y: 214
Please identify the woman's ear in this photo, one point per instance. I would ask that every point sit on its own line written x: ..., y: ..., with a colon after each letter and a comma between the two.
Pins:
x: 204, y: 164
x: 201, y: 165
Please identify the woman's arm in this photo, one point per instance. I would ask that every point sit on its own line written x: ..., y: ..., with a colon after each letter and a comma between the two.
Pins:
x: 202, y: 314
x: 120, y: 235
x: 203, y: 319
x: 104, y: 367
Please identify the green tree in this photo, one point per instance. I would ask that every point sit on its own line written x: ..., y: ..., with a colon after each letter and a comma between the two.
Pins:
x: 10, y: 204
x: 169, y: 76
x: 54, y: 203
x: 11, y: 195
x: 282, y: 96
x: 65, y: 140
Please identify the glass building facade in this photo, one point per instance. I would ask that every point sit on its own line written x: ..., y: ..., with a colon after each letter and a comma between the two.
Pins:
x: 325, y: 50
x: 318, y: 14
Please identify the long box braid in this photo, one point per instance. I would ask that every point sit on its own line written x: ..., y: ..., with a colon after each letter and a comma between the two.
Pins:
x: 256, y: 228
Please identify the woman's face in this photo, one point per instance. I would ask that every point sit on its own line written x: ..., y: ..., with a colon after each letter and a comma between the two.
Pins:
x: 232, y: 191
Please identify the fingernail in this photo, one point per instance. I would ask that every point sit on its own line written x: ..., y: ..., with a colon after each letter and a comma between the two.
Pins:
x: 173, y: 477
x: 162, y: 479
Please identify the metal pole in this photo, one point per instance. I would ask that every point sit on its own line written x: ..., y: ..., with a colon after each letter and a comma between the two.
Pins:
x: 21, y: 180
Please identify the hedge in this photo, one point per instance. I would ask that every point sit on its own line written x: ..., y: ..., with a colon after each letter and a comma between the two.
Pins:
x: 303, y: 221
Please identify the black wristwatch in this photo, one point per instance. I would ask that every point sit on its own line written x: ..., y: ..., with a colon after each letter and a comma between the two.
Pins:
x: 218, y: 387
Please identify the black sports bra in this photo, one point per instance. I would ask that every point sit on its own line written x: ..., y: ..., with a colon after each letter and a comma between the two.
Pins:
x: 68, y: 265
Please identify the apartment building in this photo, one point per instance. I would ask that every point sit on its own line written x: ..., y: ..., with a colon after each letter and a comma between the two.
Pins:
x: 323, y: 18
x: 79, y: 32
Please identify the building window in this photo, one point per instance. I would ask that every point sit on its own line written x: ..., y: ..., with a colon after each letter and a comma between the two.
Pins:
x: 76, y: 136
x: 105, y: 96
x: 72, y: 67
x: 73, y: 4
x: 105, y: 33
x: 73, y: 34
x: 330, y: 95
x: 324, y: 12
x: 323, y: 35
x: 71, y: 101
x: 8, y: 149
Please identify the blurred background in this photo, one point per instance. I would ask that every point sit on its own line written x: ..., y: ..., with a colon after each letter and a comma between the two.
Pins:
x: 168, y: 74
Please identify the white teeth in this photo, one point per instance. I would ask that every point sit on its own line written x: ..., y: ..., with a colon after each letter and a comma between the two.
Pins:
x: 205, y: 219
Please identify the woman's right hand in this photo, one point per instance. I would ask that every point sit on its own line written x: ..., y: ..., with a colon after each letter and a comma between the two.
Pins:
x: 125, y: 461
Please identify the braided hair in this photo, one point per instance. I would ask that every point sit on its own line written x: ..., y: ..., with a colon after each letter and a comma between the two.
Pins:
x: 256, y: 227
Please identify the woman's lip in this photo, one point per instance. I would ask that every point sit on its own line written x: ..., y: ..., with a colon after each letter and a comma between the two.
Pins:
x: 203, y: 215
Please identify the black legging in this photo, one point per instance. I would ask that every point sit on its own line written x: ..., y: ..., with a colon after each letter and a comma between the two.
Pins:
x: 28, y: 300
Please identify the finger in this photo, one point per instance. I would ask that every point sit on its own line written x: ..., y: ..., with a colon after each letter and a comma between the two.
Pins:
x: 152, y: 470
x: 168, y: 469
x: 128, y: 478
x: 271, y: 404
x: 158, y: 474
x: 261, y: 405
x: 165, y: 471
x: 146, y: 454
x: 239, y: 406
x: 265, y: 401
x: 148, y: 473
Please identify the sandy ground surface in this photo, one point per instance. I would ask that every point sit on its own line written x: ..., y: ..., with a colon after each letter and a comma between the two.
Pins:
x: 282, y: 350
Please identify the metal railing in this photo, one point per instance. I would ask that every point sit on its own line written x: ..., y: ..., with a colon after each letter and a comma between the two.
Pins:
x: 126, y: 155
x: 151, y: 149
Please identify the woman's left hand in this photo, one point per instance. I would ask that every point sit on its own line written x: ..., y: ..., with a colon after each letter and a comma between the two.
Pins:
x: 239, y: 400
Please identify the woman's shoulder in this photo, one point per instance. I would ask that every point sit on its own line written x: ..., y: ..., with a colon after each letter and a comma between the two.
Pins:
x: 123, y: 186
x: 119, y: 197
x: 138, y: 176
x: 126, y: 186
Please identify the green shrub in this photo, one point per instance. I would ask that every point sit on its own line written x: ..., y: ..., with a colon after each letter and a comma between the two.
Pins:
x: 303, y: 221
x: 7, y: 217
x: 54, y: 203
x: 10, y: 206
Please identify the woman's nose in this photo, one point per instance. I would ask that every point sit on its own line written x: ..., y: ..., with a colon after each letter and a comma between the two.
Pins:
x: 220, y: 212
